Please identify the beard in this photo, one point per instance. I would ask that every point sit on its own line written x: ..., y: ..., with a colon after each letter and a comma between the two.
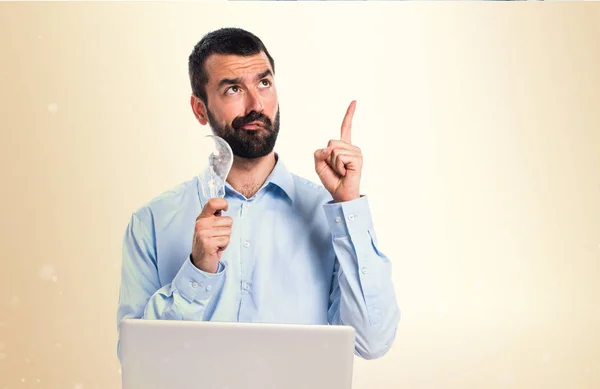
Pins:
x: 248, y: 143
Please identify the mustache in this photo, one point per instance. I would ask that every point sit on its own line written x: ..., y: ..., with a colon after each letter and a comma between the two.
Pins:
x: 253, y: 116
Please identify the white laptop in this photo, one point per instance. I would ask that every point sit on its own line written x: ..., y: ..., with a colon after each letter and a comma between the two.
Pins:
x: 169, y: 354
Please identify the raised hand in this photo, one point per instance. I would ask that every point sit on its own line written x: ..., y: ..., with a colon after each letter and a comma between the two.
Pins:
x: 339, y: 165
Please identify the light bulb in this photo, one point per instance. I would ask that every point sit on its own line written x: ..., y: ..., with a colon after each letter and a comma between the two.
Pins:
x: 219, y: 165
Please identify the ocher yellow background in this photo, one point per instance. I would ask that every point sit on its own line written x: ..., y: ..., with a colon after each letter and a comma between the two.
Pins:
x: 480, y: 126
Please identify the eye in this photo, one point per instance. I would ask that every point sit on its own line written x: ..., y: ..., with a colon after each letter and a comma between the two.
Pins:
x: 265, y: 83
x: 232, y: 89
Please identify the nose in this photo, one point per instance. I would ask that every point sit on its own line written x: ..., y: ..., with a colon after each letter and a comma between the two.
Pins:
x: 253, y: 102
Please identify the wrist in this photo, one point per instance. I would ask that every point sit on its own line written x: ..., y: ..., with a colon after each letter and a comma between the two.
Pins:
x: 204, y: 266
x: 346, y: 198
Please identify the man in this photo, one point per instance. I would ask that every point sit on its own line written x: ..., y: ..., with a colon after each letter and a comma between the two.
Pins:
x: 278, y: 248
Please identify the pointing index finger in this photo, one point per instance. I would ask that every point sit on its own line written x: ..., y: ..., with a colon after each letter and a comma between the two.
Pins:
x: 347, y: 123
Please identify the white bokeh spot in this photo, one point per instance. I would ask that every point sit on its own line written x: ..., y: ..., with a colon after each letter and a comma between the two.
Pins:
x: 2, y: 356
x: 53, y: 108
x: 46, y: 272
x: 78, y: 386
x: 58, y: 345
x: 546, y: 357
x: 14, y: 301
x: 507, y: 379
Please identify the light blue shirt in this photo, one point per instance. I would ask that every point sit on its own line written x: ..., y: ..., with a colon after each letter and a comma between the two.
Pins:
x: 294, y: 256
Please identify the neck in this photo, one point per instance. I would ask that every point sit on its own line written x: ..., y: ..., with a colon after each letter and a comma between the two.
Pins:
x: 247, y: 176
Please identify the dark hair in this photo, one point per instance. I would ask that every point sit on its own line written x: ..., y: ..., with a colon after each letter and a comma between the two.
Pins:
x: 227, y: 40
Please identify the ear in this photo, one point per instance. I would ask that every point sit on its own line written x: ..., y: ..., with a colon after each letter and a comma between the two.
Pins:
x: 199, y: 109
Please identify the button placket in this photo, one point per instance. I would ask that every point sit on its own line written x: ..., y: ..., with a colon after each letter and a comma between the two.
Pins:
x: 245, y: 311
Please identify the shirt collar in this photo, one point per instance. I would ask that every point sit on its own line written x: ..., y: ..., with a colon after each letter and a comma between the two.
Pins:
x: 279, y: 177
x: 282, y: 178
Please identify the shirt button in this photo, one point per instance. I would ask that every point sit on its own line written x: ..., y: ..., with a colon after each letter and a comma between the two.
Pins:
x: 208, y: 287
x: 351, y: 217
x: 364, y: 270
x: 338, y: 219
x: 246, y: 286
x: 194, y: 284
x: 246, y: 244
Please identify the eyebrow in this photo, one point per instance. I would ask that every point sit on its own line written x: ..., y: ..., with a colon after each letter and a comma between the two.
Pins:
x: 239, y: 80
x: 264, y: 74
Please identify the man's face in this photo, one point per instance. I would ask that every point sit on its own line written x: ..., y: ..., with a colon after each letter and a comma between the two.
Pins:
x: 242, y: 103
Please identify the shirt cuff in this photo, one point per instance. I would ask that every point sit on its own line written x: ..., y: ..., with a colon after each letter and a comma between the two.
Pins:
x: 348, y: 217
x: 197, y: 285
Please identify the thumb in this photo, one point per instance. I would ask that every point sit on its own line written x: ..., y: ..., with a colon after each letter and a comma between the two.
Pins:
x: 321, y: 155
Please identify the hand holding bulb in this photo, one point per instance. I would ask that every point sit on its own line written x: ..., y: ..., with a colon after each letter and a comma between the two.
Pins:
x: 212, y: 231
